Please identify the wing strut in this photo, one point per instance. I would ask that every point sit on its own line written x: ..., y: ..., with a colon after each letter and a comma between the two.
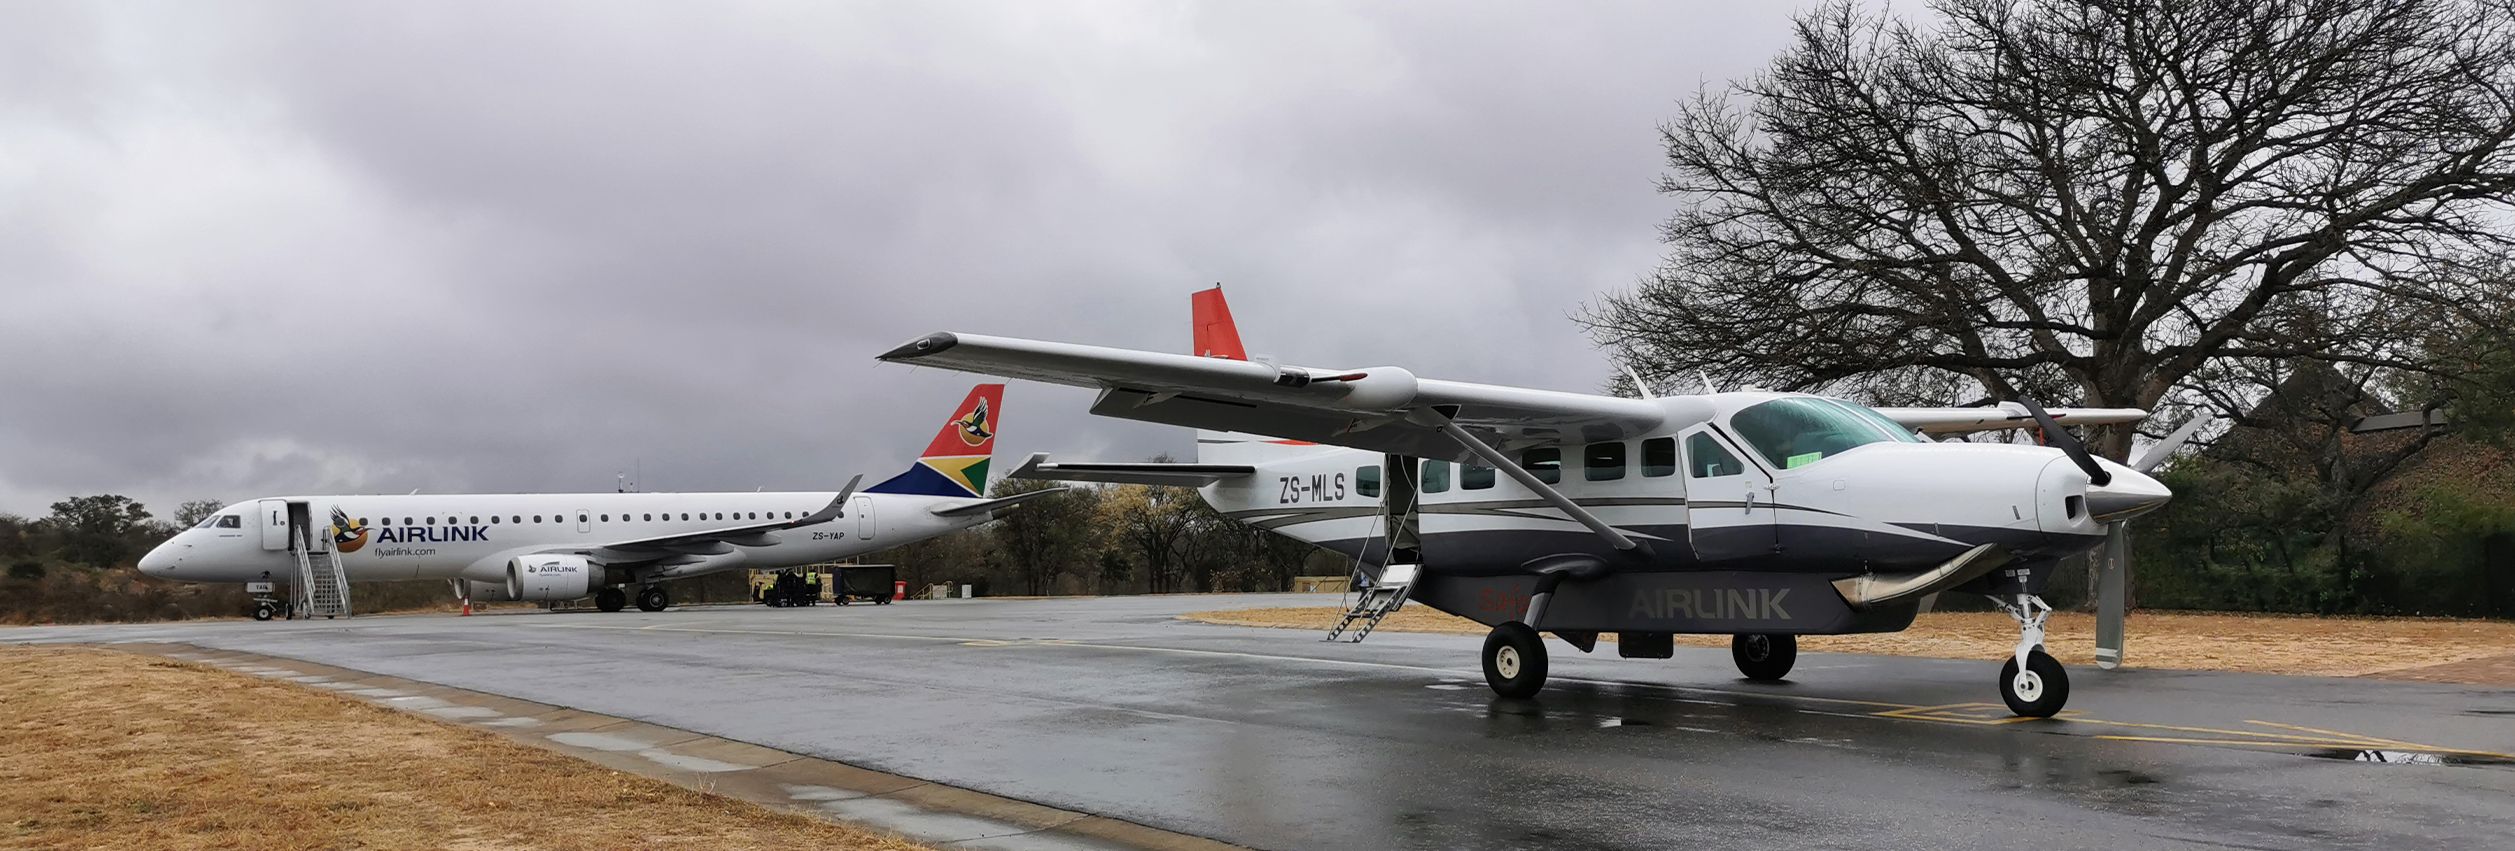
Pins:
x: 1614, y: 537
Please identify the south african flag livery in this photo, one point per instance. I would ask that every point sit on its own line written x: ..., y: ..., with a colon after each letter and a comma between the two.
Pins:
x: 955, y: 464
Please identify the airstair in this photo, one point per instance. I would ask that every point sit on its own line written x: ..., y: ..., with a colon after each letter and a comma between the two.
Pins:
x: 1401, y: 559
x: 322, y: 586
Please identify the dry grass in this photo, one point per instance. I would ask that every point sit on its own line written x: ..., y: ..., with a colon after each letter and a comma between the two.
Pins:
x: 2267, y: 644
x: 104, y: 749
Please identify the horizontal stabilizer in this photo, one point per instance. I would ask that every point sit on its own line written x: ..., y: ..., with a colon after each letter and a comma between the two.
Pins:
x: 1879, y: 589
x: 1144, y: 473
x: 984, y: 506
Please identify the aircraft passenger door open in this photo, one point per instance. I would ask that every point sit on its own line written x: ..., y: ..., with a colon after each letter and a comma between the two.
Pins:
x: 1729, y: 500
x: 864, y: 518
x: 274, y: 514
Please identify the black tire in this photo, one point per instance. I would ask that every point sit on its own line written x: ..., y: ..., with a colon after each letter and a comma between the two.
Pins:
x: 1764, y: 657
x: 611, y: 599
x: 653, y: 599
x: 1515, y: 660
x: 264, y: 611
x: 2040, y: 695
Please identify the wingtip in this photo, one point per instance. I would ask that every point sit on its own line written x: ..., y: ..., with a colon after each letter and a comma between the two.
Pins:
x: 934, y: 343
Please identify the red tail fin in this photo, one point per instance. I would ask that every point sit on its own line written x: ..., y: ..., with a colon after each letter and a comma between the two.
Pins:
x: 972, y: 428
x: 1216, y: 335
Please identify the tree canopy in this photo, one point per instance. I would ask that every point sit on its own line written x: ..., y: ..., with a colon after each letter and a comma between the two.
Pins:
x: 2105, y: 201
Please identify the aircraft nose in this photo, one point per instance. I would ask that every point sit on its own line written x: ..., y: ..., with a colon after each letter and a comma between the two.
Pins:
x: 2130, y: 494
x: 159, y: 561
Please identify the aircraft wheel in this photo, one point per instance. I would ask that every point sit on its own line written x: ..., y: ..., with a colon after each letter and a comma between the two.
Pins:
x: 611, y: 599
x: 652, y: 599
x: 1764, y: 657
x: 2040, y: 690
x: 1515, y: 660
x: 263, y: 611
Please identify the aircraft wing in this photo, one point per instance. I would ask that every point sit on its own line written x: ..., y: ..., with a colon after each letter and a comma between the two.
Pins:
x: 1141, y: 473
x: 2006, y: 415
x: 987, y: 505
x: 1360, y: 408
x: 706, y: 542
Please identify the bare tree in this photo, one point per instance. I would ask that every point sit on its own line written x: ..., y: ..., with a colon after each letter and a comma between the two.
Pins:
x: 2100, y: 199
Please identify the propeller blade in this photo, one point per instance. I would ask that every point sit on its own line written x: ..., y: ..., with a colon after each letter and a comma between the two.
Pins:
x: 2054, y: 436
x: 2181, y: 435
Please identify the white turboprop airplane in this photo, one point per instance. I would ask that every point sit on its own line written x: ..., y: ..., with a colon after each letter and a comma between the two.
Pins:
x: 571, y: 546
x: 1759, y: 515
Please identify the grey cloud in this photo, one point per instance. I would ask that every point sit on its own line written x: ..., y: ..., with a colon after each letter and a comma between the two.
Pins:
x: 270, y: 248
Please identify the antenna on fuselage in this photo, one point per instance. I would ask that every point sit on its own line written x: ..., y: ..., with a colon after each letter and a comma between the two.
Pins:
x: 1706, y: 375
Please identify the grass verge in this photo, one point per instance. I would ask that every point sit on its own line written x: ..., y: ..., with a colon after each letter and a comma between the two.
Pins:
x: 2264, y: 644
x: 105, y: 749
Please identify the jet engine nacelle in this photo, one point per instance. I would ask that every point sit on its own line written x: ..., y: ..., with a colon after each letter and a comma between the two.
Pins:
x: 550, y: 577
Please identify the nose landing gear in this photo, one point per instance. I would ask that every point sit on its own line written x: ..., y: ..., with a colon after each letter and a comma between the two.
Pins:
x: 2033, y: 684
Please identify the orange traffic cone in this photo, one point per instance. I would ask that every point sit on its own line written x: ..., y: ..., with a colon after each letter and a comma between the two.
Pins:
x: 467, y: 607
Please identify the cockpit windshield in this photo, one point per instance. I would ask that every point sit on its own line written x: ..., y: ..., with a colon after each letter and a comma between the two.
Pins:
x: 1800, y: 430
x: 221, y: 521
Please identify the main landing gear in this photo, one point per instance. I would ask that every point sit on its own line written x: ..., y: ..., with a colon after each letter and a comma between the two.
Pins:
x: 652, y: 599
x: 1764, y: 657
x: 2033, y: 684
x: 611, y: 599
x: 1515, y: 660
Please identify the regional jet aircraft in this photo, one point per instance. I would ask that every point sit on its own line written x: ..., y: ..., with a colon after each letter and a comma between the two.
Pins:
x: 1759, y: 515
x: 570, y: 546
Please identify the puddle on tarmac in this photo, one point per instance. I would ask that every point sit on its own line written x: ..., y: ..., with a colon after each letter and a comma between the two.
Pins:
x: 2409, y: 757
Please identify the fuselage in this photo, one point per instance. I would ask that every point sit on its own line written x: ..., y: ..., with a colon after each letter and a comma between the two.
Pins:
x: 472, y: 536
x: 1771, y: 482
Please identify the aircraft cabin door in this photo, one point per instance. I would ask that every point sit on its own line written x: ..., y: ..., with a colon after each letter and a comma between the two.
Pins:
x: 865, y: 525
x: 274, y: 520
x: 1729, y: 500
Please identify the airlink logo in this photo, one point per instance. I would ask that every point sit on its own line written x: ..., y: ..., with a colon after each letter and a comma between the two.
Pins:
x: 430, y: 534
x: 1717, y: 604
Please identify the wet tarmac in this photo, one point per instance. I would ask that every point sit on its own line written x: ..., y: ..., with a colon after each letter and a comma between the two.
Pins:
x: 1273, y: 739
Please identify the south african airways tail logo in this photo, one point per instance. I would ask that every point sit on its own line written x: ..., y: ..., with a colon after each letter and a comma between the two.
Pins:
x: 955, y: 463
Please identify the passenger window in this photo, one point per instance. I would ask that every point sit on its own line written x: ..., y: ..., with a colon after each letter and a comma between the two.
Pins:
x: 475, y: 520
x: 790, y: 515
x: 1545, y: 462
x: 409, y: 522
x: 493, y: 520
x: 1603, y: 462
x: 1474, y: 477
x: 1436, y: 476
x: 1659, y: 457
x: 1367, y: 480
x: 649, y: 517
x: 1710, y: 459
x: 536, y: 518
x: 432, y: 521
x: 583, y: 519
x: 685, y: 515
x: 518, y: 519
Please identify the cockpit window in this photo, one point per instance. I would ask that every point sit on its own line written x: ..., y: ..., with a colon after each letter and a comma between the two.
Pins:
x: 1801, y: 430
x: 230, y: 521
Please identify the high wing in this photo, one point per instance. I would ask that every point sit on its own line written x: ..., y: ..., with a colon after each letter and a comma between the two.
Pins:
x: 1364, y: 408
x: 2006, y: 415
x: 1141, y: 473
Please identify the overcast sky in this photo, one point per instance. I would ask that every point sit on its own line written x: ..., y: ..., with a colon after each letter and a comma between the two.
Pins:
x: 252, y: 249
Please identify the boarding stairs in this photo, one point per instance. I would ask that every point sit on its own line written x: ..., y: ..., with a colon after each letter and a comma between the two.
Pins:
x: 1385, y: 596
x: 322, y: 587
x: 1401, y: 557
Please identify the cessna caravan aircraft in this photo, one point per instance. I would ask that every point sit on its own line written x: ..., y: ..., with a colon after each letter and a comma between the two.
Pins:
x: 571, y: 546
x: 1759, y: 515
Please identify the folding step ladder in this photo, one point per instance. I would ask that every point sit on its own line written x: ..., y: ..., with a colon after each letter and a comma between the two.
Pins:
x: 1383, y: 597
x: 322, y: 586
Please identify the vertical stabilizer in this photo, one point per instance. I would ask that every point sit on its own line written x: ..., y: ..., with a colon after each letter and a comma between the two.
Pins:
x: 1217, y: 336
x: 955, y: 463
